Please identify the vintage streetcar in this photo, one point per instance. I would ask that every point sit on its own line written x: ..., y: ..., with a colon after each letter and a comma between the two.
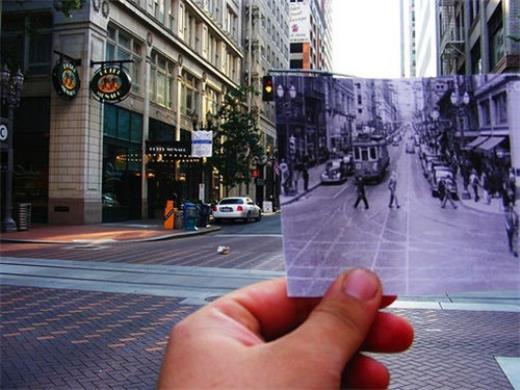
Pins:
x: 371, y: 157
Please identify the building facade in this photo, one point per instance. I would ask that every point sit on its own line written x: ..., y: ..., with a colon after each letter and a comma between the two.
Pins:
x: 266, y: 46
x: 310, y: 34
x: 475, y: 36
x: 81, y: 161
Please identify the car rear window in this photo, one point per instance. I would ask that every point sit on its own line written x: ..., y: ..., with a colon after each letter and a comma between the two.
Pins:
x: 231, y: 201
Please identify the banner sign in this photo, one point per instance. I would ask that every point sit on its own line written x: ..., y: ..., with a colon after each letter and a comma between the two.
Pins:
x: 65, y: 79
x: 110, y: 84
x: 300, y: 22
x: 202, y: 143
x: 167, y: 151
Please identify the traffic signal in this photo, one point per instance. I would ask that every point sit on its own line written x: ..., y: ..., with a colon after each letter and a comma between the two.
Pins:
x: 267, y: 89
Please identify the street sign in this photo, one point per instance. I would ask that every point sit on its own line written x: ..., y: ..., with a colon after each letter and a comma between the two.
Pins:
x: 4, y: 133
x: 201, y: 143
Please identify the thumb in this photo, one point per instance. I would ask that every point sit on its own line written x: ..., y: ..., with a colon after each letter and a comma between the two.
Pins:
x: 337, y: 327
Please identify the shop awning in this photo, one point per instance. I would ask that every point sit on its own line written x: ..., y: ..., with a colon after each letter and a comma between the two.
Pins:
x: 491, y: 143
x: 476, y: 142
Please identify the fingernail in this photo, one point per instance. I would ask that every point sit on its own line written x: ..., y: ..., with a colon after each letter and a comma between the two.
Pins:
x: 361, y: 284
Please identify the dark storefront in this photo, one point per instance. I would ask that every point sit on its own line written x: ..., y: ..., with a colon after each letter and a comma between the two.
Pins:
x: 122, y: 157
x: 31, y: 156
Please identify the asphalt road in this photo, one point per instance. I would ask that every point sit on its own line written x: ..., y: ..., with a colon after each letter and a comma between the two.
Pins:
x: 254, y: 245
x: 417, y: 249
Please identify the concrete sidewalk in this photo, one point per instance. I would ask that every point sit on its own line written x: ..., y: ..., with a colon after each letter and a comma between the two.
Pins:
x: 494, y: 207
x: 132, y: 231
x: 314, y: 182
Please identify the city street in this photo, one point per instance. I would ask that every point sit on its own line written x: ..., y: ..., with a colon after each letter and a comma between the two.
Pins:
x: 71, y: 326
x: 417, y: 249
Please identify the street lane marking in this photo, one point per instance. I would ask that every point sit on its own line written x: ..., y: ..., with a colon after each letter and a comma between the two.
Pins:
x: 247, y: 235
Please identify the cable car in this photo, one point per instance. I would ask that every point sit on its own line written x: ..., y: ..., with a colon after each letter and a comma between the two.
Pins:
x: 371, y: 157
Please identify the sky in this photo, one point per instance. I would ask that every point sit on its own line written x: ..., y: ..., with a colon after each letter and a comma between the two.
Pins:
x: 365, y: 35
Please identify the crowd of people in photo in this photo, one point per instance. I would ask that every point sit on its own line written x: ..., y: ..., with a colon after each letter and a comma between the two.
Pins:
x: 483, y: 179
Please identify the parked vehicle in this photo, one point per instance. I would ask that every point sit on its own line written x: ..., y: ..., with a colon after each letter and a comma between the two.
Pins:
x: 335, y: 172
x: 236, y: 208
x: 410, y: 147
x: 439, y: 174
x: 427, y: 161
x: 371, y: 157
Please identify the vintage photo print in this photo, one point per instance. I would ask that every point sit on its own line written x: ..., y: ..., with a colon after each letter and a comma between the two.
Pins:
x: 416, y: 179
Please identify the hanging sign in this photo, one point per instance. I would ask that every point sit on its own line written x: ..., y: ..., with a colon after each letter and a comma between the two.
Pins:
x: 201, y: 143
x: 66, y: 81
x: 110, y: 84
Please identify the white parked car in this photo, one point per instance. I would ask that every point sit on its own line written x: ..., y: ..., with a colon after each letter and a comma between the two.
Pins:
x: 237, y: 208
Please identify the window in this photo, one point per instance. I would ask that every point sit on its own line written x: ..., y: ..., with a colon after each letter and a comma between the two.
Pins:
x: 484, y: 113
x: 122, y: 46
x: 212, y: 100
x: 28, y: 40
x: 190, y: 94
x: 500, y: 103
x: 364, y: 154
x: 373, y: 153
x: 161, y: 80
x: 496, y: 38
x: 159, y: 10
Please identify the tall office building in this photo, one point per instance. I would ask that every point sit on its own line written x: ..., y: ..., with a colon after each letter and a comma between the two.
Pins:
x: 475, y: 36
x: 310, y: 34
x: 266, y: 46
x: 418, y: 38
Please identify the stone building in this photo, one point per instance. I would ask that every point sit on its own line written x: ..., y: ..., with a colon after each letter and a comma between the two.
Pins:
x: 266, y: 46
x: 474, y: 36
x: 81, y: 161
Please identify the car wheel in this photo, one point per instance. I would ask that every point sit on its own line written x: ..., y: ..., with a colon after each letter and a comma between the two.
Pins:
x: 259, y: 218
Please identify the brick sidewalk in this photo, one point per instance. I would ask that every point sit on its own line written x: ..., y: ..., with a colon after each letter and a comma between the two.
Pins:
x: 75, y: 339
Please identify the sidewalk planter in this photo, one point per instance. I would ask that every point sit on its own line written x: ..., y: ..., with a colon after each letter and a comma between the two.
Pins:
x: 191, y: 216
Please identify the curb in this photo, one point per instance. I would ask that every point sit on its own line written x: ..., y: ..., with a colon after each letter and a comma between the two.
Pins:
x: 171, y: 236
x: 465, y: 205
x: 297, y: 197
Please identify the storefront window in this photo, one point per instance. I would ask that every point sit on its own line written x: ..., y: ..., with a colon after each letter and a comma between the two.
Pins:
x: 122, y: 159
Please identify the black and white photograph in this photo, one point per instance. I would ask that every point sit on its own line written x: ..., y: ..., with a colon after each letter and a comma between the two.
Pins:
x: 411, y: 178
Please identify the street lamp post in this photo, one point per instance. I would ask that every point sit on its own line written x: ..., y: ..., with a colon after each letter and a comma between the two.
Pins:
x: 11, y: 94
x: 460, y: 103
x: 290, y: 139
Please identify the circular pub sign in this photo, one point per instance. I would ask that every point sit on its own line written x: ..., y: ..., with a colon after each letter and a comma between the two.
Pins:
x: 65, y: 78
x: 110, y: 84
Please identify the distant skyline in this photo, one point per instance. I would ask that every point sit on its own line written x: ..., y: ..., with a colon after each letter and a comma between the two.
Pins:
x: 365, y: 36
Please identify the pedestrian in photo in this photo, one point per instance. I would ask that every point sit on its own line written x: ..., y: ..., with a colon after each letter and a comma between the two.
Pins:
x: 361, y: 195
x: 392, y: 186
x: 484, y: 182
x: 286, y: 177
x: 475, y: 182
x: 305, y: 176
x: 512, y: 185
x: 441, y: 191
x: 512, y: 229
x: 448, y: 190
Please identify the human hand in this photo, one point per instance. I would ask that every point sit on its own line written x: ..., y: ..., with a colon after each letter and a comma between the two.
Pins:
x: 257, y: 337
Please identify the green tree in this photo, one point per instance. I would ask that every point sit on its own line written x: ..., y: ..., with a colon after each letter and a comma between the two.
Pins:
x: 236, y: 140
x: 67, y: 7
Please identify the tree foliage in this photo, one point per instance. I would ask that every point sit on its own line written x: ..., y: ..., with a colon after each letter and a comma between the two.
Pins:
x: 67, y: 7
x: 236, y: 140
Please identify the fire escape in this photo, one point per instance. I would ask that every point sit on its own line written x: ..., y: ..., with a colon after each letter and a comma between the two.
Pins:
x: 452, y: 36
